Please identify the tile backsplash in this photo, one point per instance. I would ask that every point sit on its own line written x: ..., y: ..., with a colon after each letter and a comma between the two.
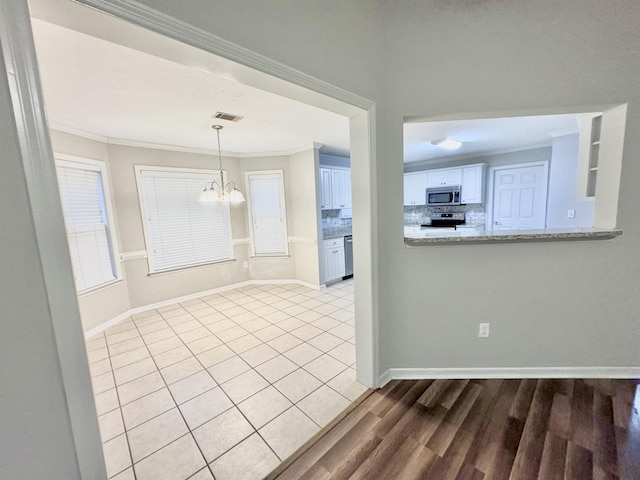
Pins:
x: 331, y: 218
x: 421, y: 214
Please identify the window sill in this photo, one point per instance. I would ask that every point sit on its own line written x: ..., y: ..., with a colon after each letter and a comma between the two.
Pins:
x: 510, y: 236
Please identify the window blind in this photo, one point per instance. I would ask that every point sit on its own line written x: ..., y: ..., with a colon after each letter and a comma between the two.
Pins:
x: 85, y: 217
x: 268, y: 218
x: 182, y: 231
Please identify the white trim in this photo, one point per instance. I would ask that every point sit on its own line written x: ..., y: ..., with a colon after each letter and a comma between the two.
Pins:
x: 100, y: 166
x: 123, y: 316
x: 564, y: 133
x: 172, y: 148
x: 145, y: 229
x: 468, y: 156
x: 135, y: 255
x: 302, y: 240
x: 283, y: 208
x: 152, y: 19
x: 385, y: 378
x: 125, y: 142
x: 241, y: 241
x: 489, y: 193
x: 16, y: 41
x: 508, y: 372
x: 292, y: 151
x: 61, y: 127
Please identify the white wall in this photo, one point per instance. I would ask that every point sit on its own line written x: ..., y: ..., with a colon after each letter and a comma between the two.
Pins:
x: 563, y: 195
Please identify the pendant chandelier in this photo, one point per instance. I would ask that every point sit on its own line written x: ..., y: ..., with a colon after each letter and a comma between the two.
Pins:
x: 220, y: 191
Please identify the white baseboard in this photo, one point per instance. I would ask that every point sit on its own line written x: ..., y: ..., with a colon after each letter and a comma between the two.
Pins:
x: 114, y: 321
x: 507, y: 372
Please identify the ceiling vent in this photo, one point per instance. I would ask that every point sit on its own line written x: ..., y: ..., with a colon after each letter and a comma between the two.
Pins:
x: 228, y: 116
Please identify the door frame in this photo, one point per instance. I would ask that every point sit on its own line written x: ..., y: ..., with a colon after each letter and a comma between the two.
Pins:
x: 490, y: 193
x: 38, y: 163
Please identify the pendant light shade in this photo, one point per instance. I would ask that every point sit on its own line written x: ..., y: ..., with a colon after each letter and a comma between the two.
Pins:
x: 219, y: 191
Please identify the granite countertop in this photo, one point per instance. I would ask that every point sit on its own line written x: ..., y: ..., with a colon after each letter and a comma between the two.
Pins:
x: 415, y: 236
x: 335, y: 232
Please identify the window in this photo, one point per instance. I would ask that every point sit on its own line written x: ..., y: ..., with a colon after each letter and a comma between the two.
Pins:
x: 181, y: 231
x: 85, y: 206
x: 267, y: 213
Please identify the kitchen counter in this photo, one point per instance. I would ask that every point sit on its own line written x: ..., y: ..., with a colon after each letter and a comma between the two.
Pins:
x: 335, y: 232
x: 414, y: 236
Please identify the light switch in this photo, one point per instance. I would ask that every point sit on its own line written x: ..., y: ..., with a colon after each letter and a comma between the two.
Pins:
x: 571, y: 214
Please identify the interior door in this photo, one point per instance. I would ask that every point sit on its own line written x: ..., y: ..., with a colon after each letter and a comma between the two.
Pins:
x: 520, y: 198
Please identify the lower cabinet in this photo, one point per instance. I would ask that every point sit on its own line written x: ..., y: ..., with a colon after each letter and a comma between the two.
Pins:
x: 334, y: 259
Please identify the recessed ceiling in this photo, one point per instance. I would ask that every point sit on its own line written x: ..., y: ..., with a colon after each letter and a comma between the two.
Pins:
x: 116, y: 92
x: 485, y: 136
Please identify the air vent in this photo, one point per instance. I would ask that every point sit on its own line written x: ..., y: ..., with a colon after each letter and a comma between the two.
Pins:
x: 228, y: 116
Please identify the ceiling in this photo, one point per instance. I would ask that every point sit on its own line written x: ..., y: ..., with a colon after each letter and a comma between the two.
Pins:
x: 123, y: 94
x: 485, y: 136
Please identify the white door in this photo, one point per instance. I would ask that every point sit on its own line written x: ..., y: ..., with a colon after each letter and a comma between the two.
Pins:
x: 520, y: 198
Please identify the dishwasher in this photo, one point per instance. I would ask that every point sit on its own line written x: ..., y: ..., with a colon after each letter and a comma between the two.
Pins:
x: 348, y: 256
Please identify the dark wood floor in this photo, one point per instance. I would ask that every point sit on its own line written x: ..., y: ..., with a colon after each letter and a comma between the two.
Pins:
x: 483, y: 429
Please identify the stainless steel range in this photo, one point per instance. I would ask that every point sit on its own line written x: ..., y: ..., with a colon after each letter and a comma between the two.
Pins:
x: 445, y: 220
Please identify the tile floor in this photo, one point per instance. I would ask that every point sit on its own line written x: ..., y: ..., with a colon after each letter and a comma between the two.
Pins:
x: 225, y: 386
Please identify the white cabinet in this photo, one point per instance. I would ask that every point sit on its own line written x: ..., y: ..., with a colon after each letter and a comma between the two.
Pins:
x: 470, y: 178
x: 327, y: 195
x: 473, y: 183
x: 336, y: 188
x: 415, y: 185
x: 341, y: 188
x: 334, y: 260
x: 445, y: 177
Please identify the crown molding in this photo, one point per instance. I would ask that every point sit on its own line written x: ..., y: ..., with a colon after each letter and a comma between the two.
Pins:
x: 61, y: 127
x: 443, y: 160
x: 564, y: 132
x: 176, y: 148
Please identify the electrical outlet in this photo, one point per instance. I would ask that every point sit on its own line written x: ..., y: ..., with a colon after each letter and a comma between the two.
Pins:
x: 483, y: 332
x: 245, y: 264
x: 571, y: 213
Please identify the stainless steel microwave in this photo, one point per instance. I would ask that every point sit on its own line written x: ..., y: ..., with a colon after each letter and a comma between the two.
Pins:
x: 443, y: 196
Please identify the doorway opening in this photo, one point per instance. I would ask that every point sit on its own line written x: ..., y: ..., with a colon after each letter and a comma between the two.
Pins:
x: 357, y: 109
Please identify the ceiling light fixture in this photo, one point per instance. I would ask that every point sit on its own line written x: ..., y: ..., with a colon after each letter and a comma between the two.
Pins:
x: 220, y: 191
x: 448, y: 143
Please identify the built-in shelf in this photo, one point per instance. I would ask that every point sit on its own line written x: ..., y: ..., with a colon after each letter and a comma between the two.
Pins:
x: 594, y: 154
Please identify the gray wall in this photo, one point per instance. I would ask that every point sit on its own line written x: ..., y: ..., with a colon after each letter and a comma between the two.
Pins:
x: 36, y: 439
x: 550, y: 304
x: 563, y: 194
x: 106, y: 303
x: 137, y: 288
x: 435, y: 57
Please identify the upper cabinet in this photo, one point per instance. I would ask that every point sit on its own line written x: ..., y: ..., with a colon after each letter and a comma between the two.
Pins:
x: 415, y: 185
x: 341, y: 188
x: 336, y: 188
x: 472, y: 190
x: 471, y: 179
x: 327, y: 196
x: 445, y: 177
